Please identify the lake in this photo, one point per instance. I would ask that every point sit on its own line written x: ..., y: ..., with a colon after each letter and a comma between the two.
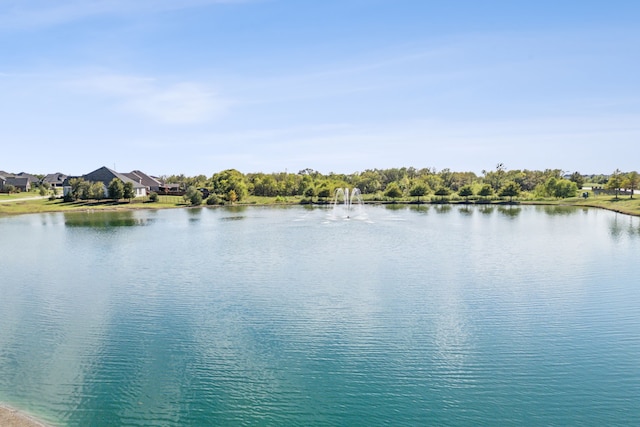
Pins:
x: 430, y: 315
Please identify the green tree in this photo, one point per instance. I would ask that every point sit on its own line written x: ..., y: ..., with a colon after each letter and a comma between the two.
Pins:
x: 466, y: 191
x: 577, y: 178
x: 193, y: 196
x: 485, y: 191
x: 393, y: 190
x: 442, y: 192
x: 418, y: 190
x: 631, y: 181
x: 79, y: 188
x: 96, y: 191
x: 116, y: 189
x: 153, y: 196
x: 128, y: 191
x: 227, y: 180
x: 232, y: 197
x: 565, y: 188
x: 324, y: 193
x: 310, y: 192
x: 615, y: 182
x: 510, y: 189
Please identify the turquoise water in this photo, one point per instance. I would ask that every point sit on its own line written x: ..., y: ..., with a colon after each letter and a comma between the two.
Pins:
x: 291, y: 316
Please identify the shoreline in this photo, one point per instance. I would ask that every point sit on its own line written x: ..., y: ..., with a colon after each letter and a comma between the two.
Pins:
x: 126, y: 207
x: 12, y: 417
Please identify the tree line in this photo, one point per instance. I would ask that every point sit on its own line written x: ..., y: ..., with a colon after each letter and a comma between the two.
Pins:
x: 230, y: 186
x: 381, y: 184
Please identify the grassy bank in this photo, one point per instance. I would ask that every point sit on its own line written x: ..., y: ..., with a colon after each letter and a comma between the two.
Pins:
x: 622, y: 205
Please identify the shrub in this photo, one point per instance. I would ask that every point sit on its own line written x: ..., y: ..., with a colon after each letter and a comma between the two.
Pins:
x: 214, y: 199
x: 153, y: 196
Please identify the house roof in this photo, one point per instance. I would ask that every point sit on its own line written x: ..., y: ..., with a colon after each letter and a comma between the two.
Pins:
x: 142, y: 178
x: 18, y: 181
x: 55, y: 178
x: 30, y: 177
x: 104, y: 175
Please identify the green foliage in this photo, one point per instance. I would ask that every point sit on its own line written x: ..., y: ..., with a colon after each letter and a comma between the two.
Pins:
x: 466, y: 192
x: 193, y: 196
x: 214, y: 199
x: 510, y: 189
x: 486, y: 191
x: 557, y: 187
x: 96, y: 191
x: 631, y: 181
x: 418, y: 190
x: 226, y: 181
x: 310, y: 192
x: 578, y: 179
x: 393, y: 191
x: 232, y: 197
x: 153, y: 197
x: 324, y: 193
x: 116, y: 189
x: 615, y: 182
x: 79, y: 189
x: 129, y: 193
x: 442, y: 192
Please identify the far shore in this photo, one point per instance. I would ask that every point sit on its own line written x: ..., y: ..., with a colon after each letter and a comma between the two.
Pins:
x: 623, y: 205
x: 11, y: 417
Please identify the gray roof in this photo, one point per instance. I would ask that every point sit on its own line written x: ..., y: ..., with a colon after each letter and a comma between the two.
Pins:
x: 106, y: 175
x: 55, y: 178
x: 143, y: 178
x: 18, y: 181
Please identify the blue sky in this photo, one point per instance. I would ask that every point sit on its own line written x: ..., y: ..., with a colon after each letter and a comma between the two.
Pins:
x: 198, y: 86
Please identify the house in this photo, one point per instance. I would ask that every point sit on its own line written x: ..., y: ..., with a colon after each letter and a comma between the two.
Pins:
x: 54, y: 180
x: 2, y: 182
x: 105, y: 176
x: 19, y: 183
x: 33, y: 179
x: 150, y: 182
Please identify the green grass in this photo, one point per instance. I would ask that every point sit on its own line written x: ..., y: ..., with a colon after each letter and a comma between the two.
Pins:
x: 623, y: 204
x: 13, y: 196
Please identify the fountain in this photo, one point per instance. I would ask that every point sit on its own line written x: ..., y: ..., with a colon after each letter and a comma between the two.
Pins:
x: 347, y: 204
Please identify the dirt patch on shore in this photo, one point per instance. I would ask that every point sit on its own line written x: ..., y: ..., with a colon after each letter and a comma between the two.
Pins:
x: 10, y: 417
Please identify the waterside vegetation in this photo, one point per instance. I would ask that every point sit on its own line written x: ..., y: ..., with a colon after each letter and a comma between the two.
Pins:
x: 396, y: 185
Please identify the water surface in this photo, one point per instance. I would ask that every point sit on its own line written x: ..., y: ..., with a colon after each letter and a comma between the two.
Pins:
x: 436, y: 315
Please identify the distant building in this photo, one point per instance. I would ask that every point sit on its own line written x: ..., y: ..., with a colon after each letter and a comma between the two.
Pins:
x: 150, y: 182
x: 105, y: 176
x: 54, y: 180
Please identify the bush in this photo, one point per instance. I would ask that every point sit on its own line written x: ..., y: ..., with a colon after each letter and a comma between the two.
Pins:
x: 214, y: 199
x: 153, y: 196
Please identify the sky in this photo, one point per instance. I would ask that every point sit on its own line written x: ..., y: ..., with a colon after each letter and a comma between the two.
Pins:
x: 200, y: 86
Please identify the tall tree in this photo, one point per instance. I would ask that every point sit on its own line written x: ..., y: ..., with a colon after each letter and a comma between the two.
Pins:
x: 510, y: 189
x: 631, y: 181
x: 393, y: 190
x: 418, y: 190
x: 466, y: 191
x: 128, y: 192
x: 96, y: 191
x: 116, y: 189
x: 615, y: 182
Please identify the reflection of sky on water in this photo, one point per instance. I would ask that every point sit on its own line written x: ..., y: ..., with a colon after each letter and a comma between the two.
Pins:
x: 178, y: 318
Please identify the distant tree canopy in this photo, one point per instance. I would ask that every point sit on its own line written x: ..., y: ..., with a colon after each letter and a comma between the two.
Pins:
x: 231, y: 185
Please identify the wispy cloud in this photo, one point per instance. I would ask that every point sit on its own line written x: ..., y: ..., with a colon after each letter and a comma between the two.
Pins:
x: 168, y: 103
x: 18, y: 14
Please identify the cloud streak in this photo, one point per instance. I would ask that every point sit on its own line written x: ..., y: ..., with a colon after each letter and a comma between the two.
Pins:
x: 181, y: 103
x: 32, y: 14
